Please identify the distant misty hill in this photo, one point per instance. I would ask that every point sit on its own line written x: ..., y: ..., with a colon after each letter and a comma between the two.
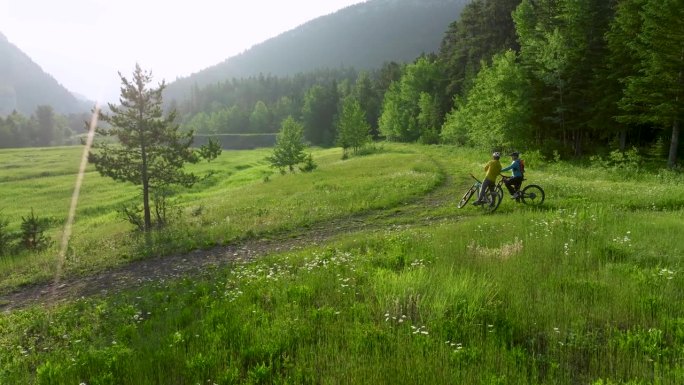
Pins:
x: 363, y: 36
x: 24, y: 85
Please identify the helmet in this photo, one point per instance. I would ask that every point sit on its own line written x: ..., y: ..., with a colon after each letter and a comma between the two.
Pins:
x: 515, y: 154
x: 496, y: 155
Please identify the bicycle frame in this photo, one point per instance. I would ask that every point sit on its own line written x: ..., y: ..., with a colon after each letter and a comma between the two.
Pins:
x: 530, y: 195
x: 493, y: 199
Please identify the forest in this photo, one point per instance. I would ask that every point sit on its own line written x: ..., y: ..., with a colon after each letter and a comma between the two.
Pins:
x: 567, y: 78
x: 44, y: 127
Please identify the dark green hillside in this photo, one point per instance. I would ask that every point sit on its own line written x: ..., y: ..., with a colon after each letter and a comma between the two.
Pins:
x: 363, y: 36
x: 24, y: 85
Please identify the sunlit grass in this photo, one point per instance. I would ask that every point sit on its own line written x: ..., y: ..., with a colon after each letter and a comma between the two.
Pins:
x: 561, y: 297
x: 585, y: 290
x: 239, y: 197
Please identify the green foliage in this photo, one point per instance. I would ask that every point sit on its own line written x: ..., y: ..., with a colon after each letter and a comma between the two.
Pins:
x: 353, y: 130
x: 260, y: 119
x: 653, y: 92
x: 428, y: 119
x: 32, y: 235
x: 7, y: 237
x: 430, y: 136
x: 43, y: 128
x: 283, y: 108
x: 46, y: 125
x: 319, y: 113
x: 211, y: 150
x: 289, y: 147
x: 369, y: 98
x: 308, y: 165
x: 496, y: 113
x: 150, y: 151
x: 225, y: 107
x: 391, y: 120
x: 562, y: 46
x: 473, y: 39
x: 409, y: 108
x: 630, y: 161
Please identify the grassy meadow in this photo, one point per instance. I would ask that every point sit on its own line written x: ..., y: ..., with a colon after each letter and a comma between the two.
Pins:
x: 239, y: 197
x: 587, y: 289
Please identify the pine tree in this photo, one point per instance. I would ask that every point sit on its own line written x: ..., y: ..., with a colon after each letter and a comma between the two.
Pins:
x: 562, y: 46
x: 319, y: 112
x: 655, y: 94
x: 46, y: 126
x: 33, y: 232
x: 150, y: 151
x: 289, y: 147
x: 260, y: 119
x: 353, y: 130
x: 484, y: 28
x: 368, y: 98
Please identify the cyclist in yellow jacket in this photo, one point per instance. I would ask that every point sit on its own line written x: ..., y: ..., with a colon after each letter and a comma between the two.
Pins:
x: 493, y: 169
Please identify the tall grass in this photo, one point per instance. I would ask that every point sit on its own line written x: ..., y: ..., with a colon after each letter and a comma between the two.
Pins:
x: 239, y: 197
x: 580, y: 292
x: 563, y: 297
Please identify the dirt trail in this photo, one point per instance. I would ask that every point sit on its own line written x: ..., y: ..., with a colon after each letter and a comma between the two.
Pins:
x: 169, y: 267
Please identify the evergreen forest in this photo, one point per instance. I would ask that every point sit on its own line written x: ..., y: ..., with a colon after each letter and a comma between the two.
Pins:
x: 44, y: 127
x: 565, y: 78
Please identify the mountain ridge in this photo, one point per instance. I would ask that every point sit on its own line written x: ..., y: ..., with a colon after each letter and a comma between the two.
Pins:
x: 24, y: 85
x: 363, y: 36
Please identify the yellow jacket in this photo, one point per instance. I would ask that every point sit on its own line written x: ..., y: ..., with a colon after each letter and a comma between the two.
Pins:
x: 493, y: 169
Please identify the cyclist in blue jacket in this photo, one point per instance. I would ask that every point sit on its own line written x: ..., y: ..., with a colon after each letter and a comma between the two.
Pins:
x: 513, y: 183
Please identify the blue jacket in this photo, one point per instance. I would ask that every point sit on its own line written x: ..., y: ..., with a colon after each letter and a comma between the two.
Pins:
x: 515, y: 167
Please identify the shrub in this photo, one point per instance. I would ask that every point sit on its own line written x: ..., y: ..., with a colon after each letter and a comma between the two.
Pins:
x: 289, y: 148
x: 619, y: 160
x: 33, y: 232
x: 309, y: 164
x: 6, y: 237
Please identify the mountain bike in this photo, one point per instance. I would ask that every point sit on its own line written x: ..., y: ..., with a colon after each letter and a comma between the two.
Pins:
x: 492, y: 197
x: 532, y: 195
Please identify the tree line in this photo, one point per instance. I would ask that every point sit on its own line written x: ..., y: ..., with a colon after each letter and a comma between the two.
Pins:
x: 260, y: 104
x: 574, y: 77
x: 587, y: 76
x: 565, y: 77
x: 43, y: 128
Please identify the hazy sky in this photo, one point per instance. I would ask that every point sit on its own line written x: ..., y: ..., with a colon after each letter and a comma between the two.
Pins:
x: 83, y: 43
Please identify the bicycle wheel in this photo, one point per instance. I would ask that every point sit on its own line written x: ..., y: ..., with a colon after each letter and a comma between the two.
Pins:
x: 466, y: 197
x: 532, y: 195
x: 493, y: 200
x: 499, y: 191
